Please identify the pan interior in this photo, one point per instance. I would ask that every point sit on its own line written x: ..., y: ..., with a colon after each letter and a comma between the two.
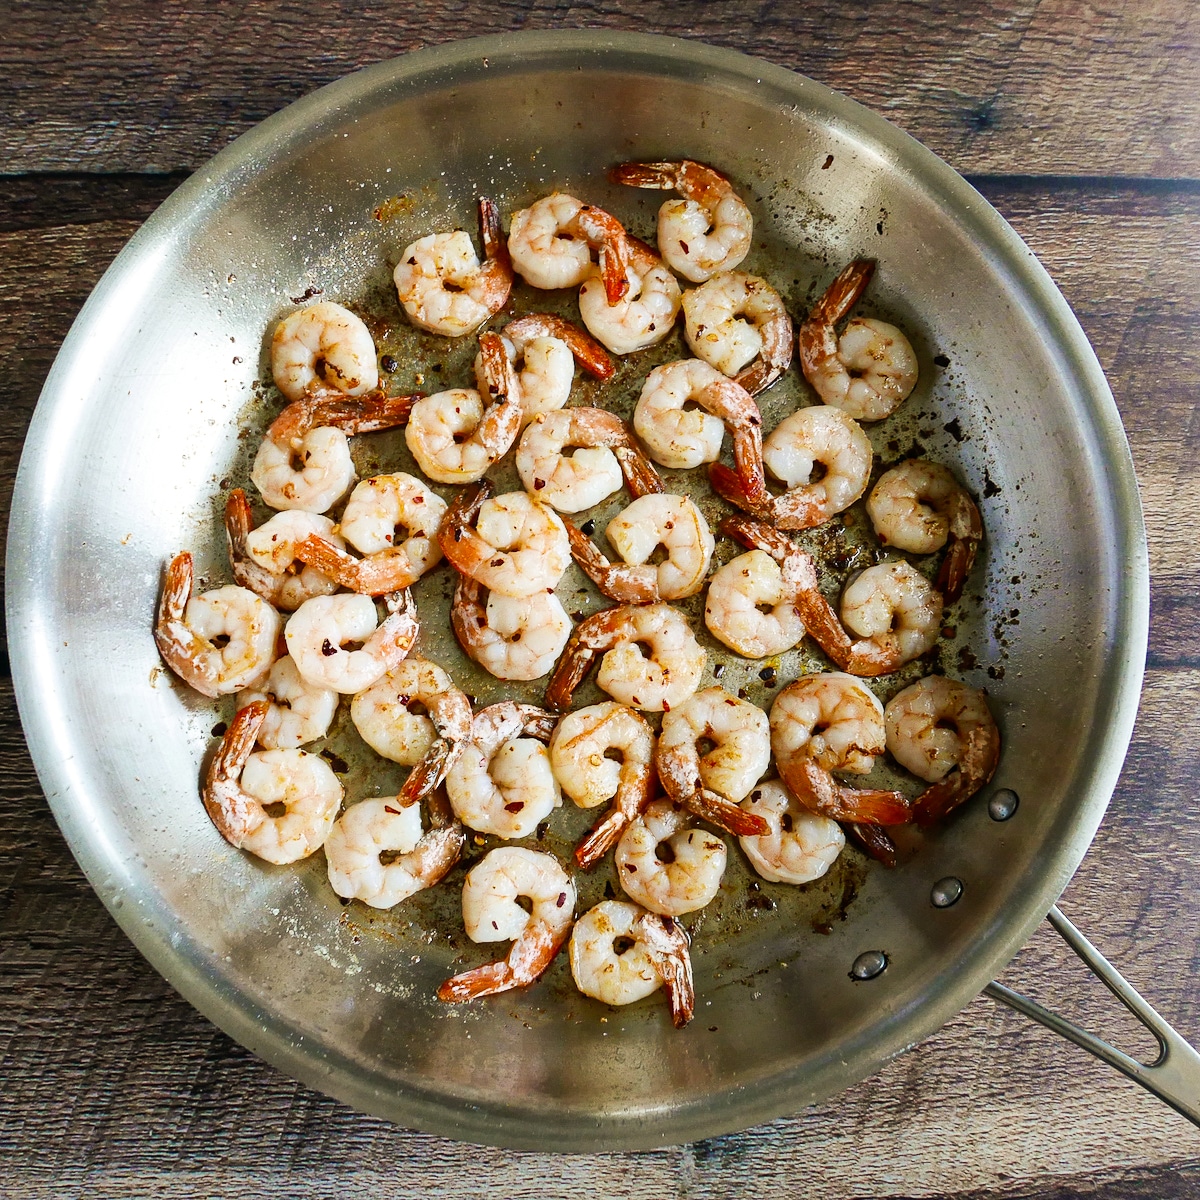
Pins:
x: 154, y: 410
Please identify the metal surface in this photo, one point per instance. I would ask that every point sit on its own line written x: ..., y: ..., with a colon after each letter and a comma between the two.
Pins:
x: 1173, y: 1077
x: 151, y: 413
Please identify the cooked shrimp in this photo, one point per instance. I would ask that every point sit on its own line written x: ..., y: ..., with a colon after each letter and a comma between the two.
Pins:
x: 892, y: 607
x: 709, y: 230
x: 218, y: 642
x: 304, y: 460
x: 503, y: 783
x: 393, y: 521
x: 645, y: 313
x: 491, y: 913
x: 299, y: 713
x: 810, y: 437
x: 801, y: 845
x: 456, y: 435
x: 672, y: 522
x: 544, y: 350
x: 240, y: 790
x: 678, y: 436
x: 832, y: 722
x: 511, y: 637
x: 604, y: 454
x: 738, y: 324
x: 442, y: 285
x: 552, y: 242
x: 654, y: 683
x: 712, y: 783
x: 867, y: 372
x: 604, y: 752
x: 319, y: 629
x: 944, y: 733
x: 918, y: 506
x: 381, y: 827
x: 751, y: 607
x: 657, y: 956
x: 695, y: 861
x: 517, y: 546
x: 416, y: 716
x: 323, y: 346
x: 264, y: 559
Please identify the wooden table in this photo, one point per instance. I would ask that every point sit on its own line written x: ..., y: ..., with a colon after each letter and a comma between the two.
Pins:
x: 1081, y: 123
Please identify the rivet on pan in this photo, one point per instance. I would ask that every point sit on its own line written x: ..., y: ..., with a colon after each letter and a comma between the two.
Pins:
x: 869, y: 964
x: 1003, y: 804
x: 946, y: 892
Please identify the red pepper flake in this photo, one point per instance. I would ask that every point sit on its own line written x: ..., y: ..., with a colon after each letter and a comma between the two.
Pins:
x: 327, y: 648
x: 389, y: 809
x: 630, y: 867
x: 497, y: 562
x: 538, y: 484
x: 562, y: 899
x: 515, y: 806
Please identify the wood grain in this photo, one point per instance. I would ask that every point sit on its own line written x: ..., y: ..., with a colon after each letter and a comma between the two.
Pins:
x: 1016, y: 86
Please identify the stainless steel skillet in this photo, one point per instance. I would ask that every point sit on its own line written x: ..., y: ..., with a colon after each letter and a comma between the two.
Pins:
x: 151, y: 408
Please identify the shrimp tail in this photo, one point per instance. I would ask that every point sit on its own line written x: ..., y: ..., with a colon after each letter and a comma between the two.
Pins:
x: 495, y: 245
x: 604, y: 230
x: 976, y: 766
x: 658, y: 176
x: 589, y: 355
x: 666, y: 941
x: 621, y: 582
x: 399, y: 628
x: 724, y: 813
x: 175, y: 641
x: 729, y: 486
x: 628, y: 804
x: 230, y: 809
x: 817, y: 789
x: 459, y: 543
x: 388, y: 571
x: 572, y: 668
x: 966, y: 532
x: 844, y: 292
x: 873, y: 839
x: 529, y: 957
x: 758, y: 535
x: 246, y: 572
x: 639, y: 472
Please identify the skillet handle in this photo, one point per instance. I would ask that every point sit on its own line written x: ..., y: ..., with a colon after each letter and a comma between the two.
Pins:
x: 1173, y: 1077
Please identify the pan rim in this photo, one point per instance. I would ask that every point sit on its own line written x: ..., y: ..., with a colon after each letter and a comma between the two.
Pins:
x: 442, y: 65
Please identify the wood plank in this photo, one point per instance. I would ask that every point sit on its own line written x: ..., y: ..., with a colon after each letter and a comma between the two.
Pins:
x: 1059, y: 87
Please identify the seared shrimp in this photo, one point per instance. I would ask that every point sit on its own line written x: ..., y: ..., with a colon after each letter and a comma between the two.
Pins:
x: 738, y: 324
x: 264, y: 559
x: 544, y: 350
x: 299, y: 713
x: 817, y: 436
x: 455, y: 436
x: 393, y: 521
x: 800, y: 846
x: 416, y: 716
x: 442, y: 285
x: 655, y: 955
x: 686, y: 878
x: 323, y: 346
x: 944, y: 733
x: 604, y: 454
x: 382, y: 826
x: 491, y: 913
x: 553, y: 240
x: 892, y: 607
x: 656, y: 683
x: 712, y: 783
x: 512, y: 544
x: 918, y: 506
x: 867, y: 372
x: 672, y: 522
x: 219, y: 642
x: 709, y: 230
x: 319, y: 629
x: 646, y: 311
x: 304, y: 460
x: 739, y: 593
x: 604, y: 752
x: 510, y: 637
x: 240, y: 789
x: 503, y: 783
x: 832, y: 722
